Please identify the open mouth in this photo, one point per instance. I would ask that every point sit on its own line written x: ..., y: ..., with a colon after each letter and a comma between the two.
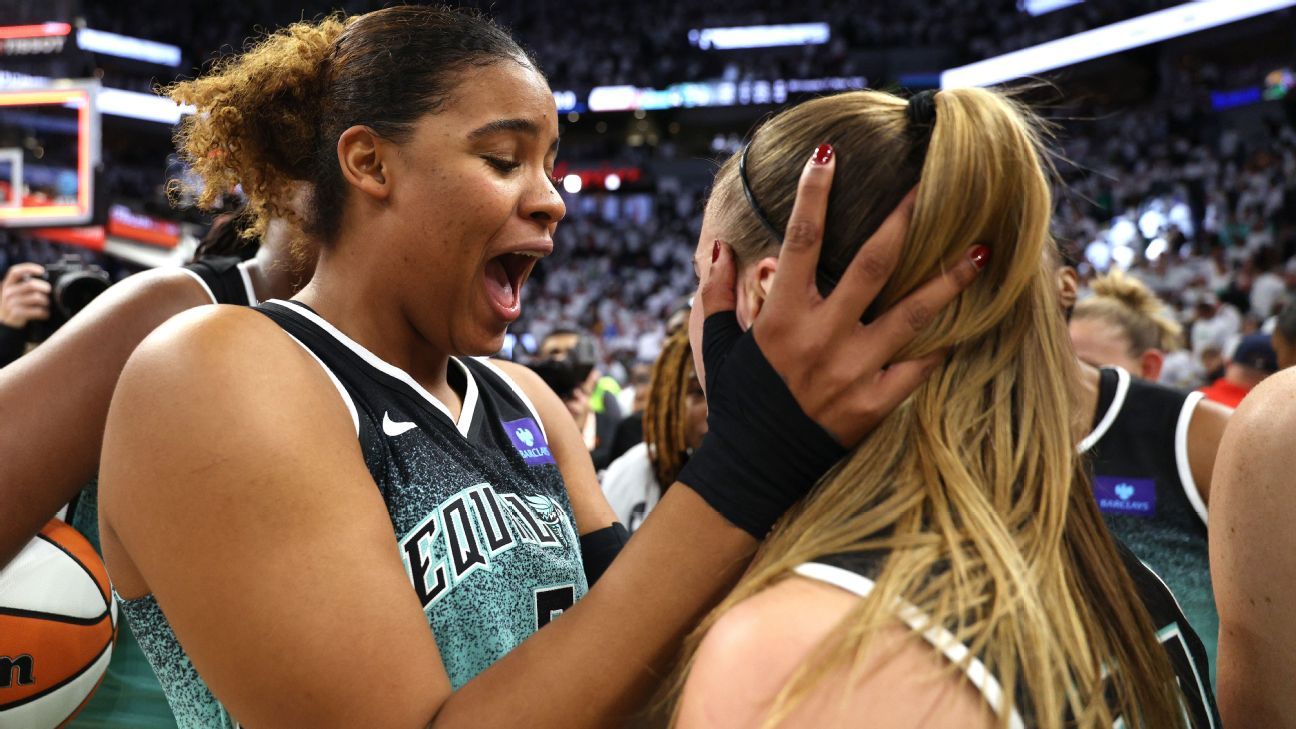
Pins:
x: 505, y: 275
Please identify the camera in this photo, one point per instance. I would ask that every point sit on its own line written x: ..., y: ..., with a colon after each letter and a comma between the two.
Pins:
x: 74, y: 283
x: 568, y: 370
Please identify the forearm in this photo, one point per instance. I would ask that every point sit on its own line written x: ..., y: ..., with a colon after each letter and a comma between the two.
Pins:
x: 601, y: 660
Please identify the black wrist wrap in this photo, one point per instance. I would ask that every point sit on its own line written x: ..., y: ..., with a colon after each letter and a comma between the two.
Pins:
x: 761, y: 453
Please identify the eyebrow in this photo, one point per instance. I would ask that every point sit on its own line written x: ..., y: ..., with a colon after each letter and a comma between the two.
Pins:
x: 524, y: 126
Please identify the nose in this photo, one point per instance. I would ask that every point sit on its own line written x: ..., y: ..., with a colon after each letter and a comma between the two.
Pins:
x: 542, y: 202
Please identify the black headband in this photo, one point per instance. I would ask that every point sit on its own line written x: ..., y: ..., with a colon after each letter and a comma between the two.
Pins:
x: 921, y: 113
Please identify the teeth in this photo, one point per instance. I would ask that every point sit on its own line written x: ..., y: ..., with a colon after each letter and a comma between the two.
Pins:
x: 530, y: 254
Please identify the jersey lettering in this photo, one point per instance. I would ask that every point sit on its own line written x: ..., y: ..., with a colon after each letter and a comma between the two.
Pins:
x: 467, y: 530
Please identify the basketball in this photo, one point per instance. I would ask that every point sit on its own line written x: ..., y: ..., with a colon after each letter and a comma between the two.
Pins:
x: 58, y: 623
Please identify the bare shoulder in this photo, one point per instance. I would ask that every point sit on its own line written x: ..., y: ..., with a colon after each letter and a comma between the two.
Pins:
x: 1266, y: 416
x: 750, y: 654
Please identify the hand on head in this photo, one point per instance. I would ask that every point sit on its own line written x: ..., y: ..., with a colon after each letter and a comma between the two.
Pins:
x: 839, y: 370
x: 24, y: 296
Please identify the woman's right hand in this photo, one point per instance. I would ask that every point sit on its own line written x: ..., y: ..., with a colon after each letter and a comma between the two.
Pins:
x: 788, y: 398
x: 840, y: 370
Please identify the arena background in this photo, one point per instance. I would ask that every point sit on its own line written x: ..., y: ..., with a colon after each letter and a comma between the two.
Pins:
x: 1178, y: 156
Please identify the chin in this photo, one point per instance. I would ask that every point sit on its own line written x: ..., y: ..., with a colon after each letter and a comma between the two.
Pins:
x: 485, y: 344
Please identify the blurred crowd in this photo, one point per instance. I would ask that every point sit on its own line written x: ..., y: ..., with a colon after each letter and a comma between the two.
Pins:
x: 587, y: 43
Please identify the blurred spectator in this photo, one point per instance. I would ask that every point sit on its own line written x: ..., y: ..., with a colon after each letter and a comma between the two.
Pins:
x: 1283, y: 337
x: 673, y: 425
x: 24, y: 297
x: 1252, y: 361
x: 568, y: 364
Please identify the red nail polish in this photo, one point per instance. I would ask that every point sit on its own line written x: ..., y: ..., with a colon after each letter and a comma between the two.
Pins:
x: 980, y: 256
x: 823, y: 154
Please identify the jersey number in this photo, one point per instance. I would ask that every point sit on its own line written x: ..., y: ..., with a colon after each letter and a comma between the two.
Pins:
x: 552, y: 602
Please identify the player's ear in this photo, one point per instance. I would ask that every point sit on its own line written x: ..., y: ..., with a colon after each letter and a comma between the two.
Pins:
x: 1150, y: 363
x: 361, y: 156
x: 753, y: 289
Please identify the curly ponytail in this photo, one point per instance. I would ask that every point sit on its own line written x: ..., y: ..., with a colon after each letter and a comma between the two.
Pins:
x: 258, y: 119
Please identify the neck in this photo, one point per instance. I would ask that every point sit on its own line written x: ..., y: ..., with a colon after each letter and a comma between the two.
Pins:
x: 273, y: 274
x: 1086, y: 397
x: 362, y: 308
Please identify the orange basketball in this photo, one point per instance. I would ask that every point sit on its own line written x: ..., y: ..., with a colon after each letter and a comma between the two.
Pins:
x: 58, y: 623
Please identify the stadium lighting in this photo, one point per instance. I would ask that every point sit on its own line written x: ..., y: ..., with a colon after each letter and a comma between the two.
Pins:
x: 612, y: 182
x: 572, y: 184
x: 760, y: 36
x: 1039, y: 7
x: 137, y: 105
x: 42, y: 30
x: 1115, y: 38
x: 124, y: 46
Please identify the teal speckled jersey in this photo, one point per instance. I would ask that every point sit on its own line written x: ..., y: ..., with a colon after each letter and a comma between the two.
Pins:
x: 480, y: 515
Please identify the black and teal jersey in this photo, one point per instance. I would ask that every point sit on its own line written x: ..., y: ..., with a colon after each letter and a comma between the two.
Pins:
x: 856, y: 573
x: 1138, y: 455
x: 479, y: 511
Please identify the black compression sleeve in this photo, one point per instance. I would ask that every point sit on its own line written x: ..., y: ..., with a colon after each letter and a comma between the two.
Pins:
x: 599, y: 548
x: 12, y: 343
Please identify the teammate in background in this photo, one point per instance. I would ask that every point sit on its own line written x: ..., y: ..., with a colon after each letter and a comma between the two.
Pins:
x: 1253, y: 557
x: 341, y: 465
x: 55, y: 402
x: 1283, y: 337
x: 1123, y: 324
x: 674, y: 423
x: 966, y: 520
x: 1150, y: 448
x: 1253, y: 360
x: 24, y: 297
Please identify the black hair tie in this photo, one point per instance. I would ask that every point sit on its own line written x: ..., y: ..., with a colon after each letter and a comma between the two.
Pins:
x: 922, y: 108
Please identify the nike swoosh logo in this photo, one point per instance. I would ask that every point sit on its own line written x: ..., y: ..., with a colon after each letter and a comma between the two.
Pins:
x: 393, y: 428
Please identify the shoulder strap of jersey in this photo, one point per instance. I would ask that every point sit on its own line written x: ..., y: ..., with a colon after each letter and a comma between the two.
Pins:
x: 319, y: 347
x: 502, y: 386
x: 1113, y: 386
x: 937, y: 635
x: 225, y: 280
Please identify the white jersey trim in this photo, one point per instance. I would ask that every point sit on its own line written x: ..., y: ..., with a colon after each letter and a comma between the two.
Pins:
x: 938, y: 636
x: 201, y: 283
x: 1181, y: 455
x: 247, y: 283
x: 517, y: 390
x: 346, y: 396
x: 1118, y: 401
x: 373, y: 360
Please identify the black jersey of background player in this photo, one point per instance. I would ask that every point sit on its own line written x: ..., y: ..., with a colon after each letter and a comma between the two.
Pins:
x: 1144, y: 486
x: 856, y: 572
x: 225, y: 279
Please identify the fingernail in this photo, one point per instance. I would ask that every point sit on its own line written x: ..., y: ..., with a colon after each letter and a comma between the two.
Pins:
x: 715, y: 251
x: 823, y: 154
x: 980, y: 256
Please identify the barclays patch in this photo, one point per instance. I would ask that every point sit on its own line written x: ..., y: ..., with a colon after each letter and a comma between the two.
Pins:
x: 529, y: 440
x: 1125, y: 496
